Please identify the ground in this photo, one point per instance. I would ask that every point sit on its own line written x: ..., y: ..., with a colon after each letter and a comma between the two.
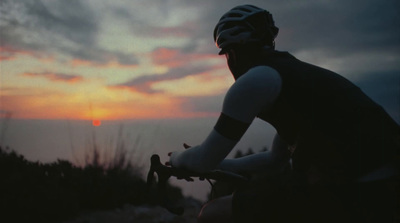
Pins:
x: 141, y: 214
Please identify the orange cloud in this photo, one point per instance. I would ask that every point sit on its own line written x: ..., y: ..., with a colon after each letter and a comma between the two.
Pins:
x: 179, y: 65
x: 109, y: 64
x: 68, y: 78
x: 10, y: 53
x: 168, y: 57
x: 144, y: 84
x: 143, y: 89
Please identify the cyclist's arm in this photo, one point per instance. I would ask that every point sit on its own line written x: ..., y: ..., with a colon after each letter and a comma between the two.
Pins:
x: 269, y: 162
x: 252, y: 93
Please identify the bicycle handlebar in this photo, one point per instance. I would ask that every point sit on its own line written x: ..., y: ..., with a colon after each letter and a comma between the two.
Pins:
x: 164, y: 173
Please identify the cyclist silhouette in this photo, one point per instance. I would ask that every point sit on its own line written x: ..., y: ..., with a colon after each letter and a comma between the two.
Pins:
x: 343, y: 147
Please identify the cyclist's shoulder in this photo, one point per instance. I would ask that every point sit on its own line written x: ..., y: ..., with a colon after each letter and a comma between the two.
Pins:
x: 262, y: 72
x: 259, y: 79
x: 254, y: 91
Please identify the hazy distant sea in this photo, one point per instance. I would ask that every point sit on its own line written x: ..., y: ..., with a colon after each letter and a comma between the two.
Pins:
x: 49, y: 140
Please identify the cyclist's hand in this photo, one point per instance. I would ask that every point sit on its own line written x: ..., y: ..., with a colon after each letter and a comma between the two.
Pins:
x: 174, y: 154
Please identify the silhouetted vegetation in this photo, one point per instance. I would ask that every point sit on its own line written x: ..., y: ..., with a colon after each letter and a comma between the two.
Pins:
x: 37, y: 192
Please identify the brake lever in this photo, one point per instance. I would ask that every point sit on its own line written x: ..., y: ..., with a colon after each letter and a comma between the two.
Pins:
x: 163, y: 174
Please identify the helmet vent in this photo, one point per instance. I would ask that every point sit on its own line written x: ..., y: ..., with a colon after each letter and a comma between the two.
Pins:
x: 246, y: 10
x: 235, y: 15
x: 238, y: 31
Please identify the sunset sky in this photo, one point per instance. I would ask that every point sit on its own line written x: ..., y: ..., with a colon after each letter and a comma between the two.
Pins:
x: 111, y: 60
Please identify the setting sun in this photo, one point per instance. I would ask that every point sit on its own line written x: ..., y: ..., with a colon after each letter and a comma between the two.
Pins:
x: 96, y: 122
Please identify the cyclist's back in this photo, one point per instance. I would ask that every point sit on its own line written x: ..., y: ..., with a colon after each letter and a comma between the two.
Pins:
x: 329, y: 120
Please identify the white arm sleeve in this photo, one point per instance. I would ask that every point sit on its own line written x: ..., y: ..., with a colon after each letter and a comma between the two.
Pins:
x: 204, y: 157
x: 253, y: 92
x: 269, y: 162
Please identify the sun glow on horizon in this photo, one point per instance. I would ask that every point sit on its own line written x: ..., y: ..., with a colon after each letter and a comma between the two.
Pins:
x: 96, y: 122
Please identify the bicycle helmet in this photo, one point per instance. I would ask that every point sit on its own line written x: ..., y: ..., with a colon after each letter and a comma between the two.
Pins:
x: 245, y: 24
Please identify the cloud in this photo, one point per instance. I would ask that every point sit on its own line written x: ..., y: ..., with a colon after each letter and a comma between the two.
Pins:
x: 330, y: 30
x: 72, y: 20
x: 72, y: 27
x: 100, y: 57
x: 60, y: 77
x: 169, y: 57
x: 384, y: 89
x: 340, y: 27
x: 180, y: 21
x: 56, y: 28
x: 178, y: 64
x: 352, y: 37
x: 143, y: 84
x: 176, y: 57
x: 9, y: 53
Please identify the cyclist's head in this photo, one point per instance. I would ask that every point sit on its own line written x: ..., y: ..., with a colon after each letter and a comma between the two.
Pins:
x: 245, y: 25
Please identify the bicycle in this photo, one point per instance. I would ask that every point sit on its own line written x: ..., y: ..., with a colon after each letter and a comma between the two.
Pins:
x: 165, y: 172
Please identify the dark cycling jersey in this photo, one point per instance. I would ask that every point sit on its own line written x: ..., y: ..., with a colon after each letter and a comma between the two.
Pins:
x: 335, y: 127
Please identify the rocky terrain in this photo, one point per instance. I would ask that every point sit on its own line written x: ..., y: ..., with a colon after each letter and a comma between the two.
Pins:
x: 141, y: 214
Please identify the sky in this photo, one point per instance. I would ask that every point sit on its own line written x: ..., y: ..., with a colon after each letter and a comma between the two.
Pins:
x: 113, y: 60
x: 153, y: 65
